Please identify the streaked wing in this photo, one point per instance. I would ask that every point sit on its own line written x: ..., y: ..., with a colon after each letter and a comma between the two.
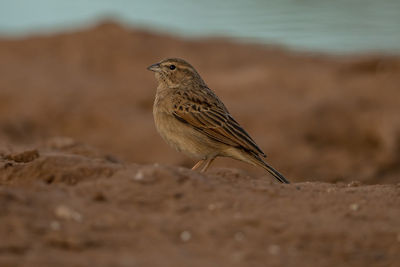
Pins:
x: 207, y: 114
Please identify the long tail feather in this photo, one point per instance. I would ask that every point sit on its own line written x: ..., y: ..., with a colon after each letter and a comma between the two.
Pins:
x: 256, y: 160
x: 276, y: 174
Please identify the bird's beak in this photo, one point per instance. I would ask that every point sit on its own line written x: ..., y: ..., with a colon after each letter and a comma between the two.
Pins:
x: 154, y: 67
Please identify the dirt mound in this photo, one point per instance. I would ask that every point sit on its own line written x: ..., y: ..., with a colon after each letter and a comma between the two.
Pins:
x: 86, y: 180
x: 68, y: 210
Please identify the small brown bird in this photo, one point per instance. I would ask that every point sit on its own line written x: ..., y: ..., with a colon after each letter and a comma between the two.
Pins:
x: 192, y: 119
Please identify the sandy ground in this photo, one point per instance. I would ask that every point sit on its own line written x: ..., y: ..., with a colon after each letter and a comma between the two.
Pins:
x: 86, y: 180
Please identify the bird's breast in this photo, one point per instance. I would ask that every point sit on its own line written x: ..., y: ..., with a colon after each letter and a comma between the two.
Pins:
x: 181, y: 136
x: 171, y: 130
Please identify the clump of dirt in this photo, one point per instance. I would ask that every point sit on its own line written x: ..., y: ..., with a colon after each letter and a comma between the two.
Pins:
x: 25, y: 156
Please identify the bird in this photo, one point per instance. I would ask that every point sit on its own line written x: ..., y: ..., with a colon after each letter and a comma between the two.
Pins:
x: 192, y: 119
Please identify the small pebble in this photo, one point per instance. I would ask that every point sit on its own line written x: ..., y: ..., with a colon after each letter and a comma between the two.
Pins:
x: 354, y: 184
x: 139, y: 176
x: 185, y: 236
x: 329, y: 190
x: 64, y: 212
x: 274, y: 249
x: 354, y: 206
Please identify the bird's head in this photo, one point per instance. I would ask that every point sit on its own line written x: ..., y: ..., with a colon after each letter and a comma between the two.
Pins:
x: 174, y: 72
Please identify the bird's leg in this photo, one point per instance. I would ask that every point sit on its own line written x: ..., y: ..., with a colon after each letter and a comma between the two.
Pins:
x: 208, y: 163
x: 198, y: 164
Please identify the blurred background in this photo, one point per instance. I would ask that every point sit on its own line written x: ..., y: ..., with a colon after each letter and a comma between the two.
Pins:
x: 339, y: 26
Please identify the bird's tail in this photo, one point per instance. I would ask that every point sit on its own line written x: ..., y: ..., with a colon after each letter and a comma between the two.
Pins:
x: 275, y: 173
x: 256, y: 160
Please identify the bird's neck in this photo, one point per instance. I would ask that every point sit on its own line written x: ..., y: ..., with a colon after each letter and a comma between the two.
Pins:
x: 162, y: 92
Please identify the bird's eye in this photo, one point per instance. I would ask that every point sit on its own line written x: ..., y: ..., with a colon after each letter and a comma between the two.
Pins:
x: 172, y: 67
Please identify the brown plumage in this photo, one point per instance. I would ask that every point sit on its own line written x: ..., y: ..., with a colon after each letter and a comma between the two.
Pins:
x: 192, y: 119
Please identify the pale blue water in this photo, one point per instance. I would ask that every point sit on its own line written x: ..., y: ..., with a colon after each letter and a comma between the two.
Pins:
x: 337, y: 26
